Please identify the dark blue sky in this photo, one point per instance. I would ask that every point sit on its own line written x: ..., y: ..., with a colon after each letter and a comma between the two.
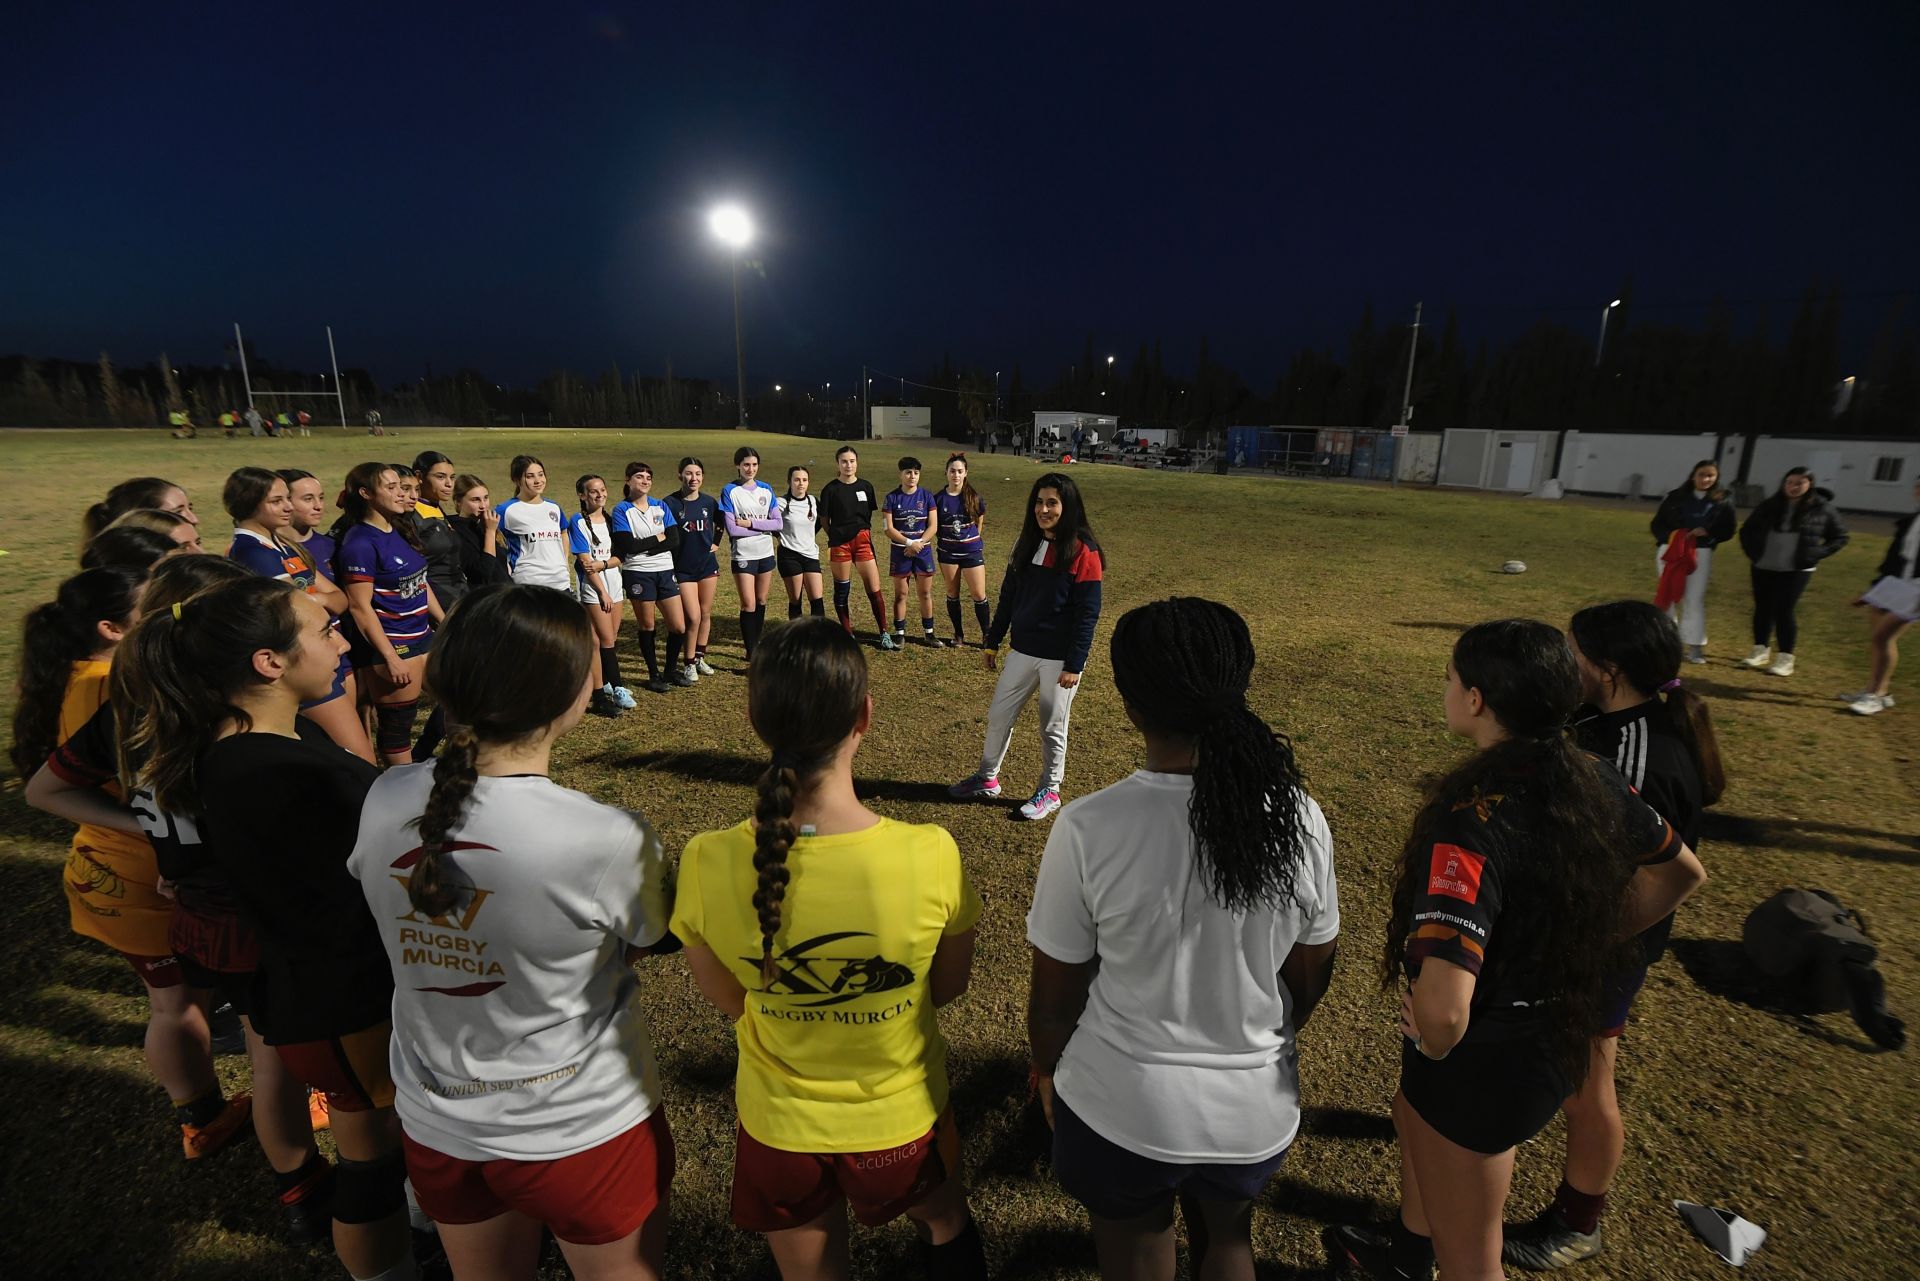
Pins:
x: 520, y: 187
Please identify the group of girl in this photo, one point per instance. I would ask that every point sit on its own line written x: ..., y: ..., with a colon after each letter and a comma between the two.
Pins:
x: 459, y: 989
x: 1785, y: 537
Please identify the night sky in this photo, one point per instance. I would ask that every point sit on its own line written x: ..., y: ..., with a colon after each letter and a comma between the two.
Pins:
x: 526, y: 187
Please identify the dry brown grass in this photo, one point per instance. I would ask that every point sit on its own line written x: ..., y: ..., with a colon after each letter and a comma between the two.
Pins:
x: 1354, y: 595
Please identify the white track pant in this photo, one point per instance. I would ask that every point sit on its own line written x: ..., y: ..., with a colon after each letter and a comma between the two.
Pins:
x: 1021, y: 676
x: 1689, y: 613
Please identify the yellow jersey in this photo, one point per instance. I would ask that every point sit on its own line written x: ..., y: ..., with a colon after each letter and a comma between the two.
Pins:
x: 840, y: 1053
x: 110, y: 876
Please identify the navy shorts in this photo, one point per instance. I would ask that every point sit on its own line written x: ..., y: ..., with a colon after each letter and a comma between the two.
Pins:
x: 900, y: 565
x: 698, y: 573
x: 965, y: 560
x: 791, y: 564
x: 1621, y: 990
x: 650, y: 584
x: 1114, y: 1183
x: 759, y: 565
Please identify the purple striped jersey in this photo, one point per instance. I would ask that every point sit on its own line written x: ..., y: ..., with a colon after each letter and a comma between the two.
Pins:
x: 399, y: 577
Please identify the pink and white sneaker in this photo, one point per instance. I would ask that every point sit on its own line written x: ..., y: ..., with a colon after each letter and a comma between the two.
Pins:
x: 1042, y: 805
x: 975, y: 787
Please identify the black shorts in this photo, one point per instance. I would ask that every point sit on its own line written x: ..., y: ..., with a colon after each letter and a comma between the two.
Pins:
x: 792, y: 564
x: 1485, y: 1097
x: 1114, y: 1183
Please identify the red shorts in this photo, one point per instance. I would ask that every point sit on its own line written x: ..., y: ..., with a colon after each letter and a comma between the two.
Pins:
x: 859, y: 547
x: 774, y: 1190
x: 156, y: 971
x: 589, y: 1198
x: 350, y: 1070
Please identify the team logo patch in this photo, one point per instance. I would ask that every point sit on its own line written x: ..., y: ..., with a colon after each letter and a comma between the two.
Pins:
x: 1455, y: 873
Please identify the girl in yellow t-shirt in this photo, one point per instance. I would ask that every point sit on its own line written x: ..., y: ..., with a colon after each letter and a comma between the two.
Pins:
x: 111, y: 876
x: 830, y: 935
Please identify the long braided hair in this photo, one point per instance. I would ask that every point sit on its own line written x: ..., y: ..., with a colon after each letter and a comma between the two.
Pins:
x: 508, y: 662
x: 1183, y: 666
x: 1555, y: 831
x: 806, y: 692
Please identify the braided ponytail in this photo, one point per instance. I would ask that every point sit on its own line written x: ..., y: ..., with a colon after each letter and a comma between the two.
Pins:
x: 773, y: 835
x: 1183, y: 665
x: 806, y: 692
x: 429, y: 889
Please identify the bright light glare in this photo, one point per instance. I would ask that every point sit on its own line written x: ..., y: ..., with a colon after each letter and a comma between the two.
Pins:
x: 731, y: 226
x: 776, y: 386
x: 1614, y: 303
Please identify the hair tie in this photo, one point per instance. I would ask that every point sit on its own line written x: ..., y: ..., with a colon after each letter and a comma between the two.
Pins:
x: 177, y: 607
x: 1670, y: 686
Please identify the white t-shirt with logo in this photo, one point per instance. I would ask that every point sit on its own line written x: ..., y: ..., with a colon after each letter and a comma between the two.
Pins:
x: 515, y: 1033
x: 535, y: 536
x: 800, y: 525
x: 1186, y: 1049
x: 747, y: 501
x: 648, y: 518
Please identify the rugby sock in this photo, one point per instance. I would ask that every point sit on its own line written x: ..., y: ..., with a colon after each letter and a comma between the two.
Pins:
x: 201, y: 1112
x: 315, y: 1164
x: 1579, y: 1210
x: 879, y: 609
x: 793, y: 608
x: 842, y: 598
x: 962, y: 1259
x: 746, y: 632
x: 610, y: 664
x: 818, y: 606
x: 953, y: 616
x: 926, y: 625
x: 675, y: 641
x: 650, y: 650
x: 1408, y: 1253
x: 985, y: 615
x: 759, y: 621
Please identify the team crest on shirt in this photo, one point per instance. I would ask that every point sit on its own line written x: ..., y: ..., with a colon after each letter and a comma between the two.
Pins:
x: 1455, y: 872
x: 447, y: 941
x: 1481, y: 803
x: 805, y: 969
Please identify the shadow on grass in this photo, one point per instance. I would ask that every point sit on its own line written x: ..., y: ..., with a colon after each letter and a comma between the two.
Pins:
x: 1721, y: 967
x: 1433, y: 627
x: 1778, y: 697
x: 1811, y: 838
x: 706, y: 766
x: 1345, y: 1123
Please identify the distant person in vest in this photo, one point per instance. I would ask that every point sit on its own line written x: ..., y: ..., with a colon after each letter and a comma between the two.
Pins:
x: 1699, y: 508
x: 1894, y: 602
x: 1785, y: 538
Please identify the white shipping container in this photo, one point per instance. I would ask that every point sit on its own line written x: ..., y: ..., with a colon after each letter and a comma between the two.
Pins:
x: 901, y: 422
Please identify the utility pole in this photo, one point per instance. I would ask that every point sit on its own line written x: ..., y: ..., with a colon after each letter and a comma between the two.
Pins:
x: 739, y: 351
x: 866, y: 413
x: 1406, y: 398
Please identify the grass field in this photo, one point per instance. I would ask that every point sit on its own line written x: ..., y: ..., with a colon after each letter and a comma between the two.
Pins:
x: 1354, y: 595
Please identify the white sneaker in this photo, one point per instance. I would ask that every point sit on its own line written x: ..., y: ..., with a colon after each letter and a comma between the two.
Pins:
x: 1696, y: 653
x: 1758, y: 658
x: 1870, y: 704
x: 1782, y: 666
x: 691, y: 672
x: 703, y: 667
x: 1858, y: 694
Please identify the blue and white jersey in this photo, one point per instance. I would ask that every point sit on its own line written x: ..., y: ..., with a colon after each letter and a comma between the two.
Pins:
x: 649, y: 518
x: 593, y: 536
x: 745, y: 502
x: 535, y: 536
x: 398, y: 573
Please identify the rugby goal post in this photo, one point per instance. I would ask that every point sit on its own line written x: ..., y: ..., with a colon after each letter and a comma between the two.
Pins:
x: 338, y: 394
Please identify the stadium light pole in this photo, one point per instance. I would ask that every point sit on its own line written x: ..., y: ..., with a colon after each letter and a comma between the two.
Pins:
x: 1601, y: 349
x: 732, y: 227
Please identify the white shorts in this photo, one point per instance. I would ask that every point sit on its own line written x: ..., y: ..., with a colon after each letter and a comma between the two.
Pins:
x: 611, y: 577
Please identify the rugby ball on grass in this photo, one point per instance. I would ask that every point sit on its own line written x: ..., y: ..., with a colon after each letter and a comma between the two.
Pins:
x: 1514, y: 567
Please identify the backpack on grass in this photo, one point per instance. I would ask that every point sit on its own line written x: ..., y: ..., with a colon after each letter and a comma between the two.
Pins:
x: 1819, y: 951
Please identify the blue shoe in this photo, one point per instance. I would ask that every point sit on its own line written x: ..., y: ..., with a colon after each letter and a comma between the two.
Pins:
x: 623, y: 696
x: 887, y: 642
x: 1044, y: 803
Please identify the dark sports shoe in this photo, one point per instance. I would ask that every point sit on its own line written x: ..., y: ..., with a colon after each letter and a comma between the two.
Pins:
x: 658, y: 684
x: 1547, y: 1244
x: 307, y: 1210
x: 603, y: 704
x: 936, y: 642
x: 1369, y: 1250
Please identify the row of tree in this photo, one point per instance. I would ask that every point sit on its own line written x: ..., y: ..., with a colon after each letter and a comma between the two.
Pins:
x: 1647, y: 378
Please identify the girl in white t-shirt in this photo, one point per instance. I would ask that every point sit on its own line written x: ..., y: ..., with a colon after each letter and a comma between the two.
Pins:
x: 1183, y: 927
x: 798, y: 555
x: 597, y: 573
x: 524, y: 1072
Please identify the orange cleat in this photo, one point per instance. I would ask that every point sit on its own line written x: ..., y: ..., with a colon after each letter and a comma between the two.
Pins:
x: 317, y: 1111
x: 204, y: 1140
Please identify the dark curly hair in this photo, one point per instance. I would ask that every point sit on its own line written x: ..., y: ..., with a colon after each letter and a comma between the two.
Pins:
x: 1557, y: 837
x: 1183, y: 665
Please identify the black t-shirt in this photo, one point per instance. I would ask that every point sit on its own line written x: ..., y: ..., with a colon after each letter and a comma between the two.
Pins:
x: 1658, y: 766
x: 280, y: 818
x: 849, y: 509
x: 1470, y: 888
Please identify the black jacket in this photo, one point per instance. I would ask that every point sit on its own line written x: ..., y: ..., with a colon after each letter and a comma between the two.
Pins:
x: 478, y: 567
x: 1895, y: 565
x: 1673, y: 514
x: 442, y: 548
x: 1821, y: 533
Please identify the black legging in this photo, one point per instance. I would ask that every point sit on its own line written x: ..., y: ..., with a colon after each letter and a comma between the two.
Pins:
x: 1775, y: 593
